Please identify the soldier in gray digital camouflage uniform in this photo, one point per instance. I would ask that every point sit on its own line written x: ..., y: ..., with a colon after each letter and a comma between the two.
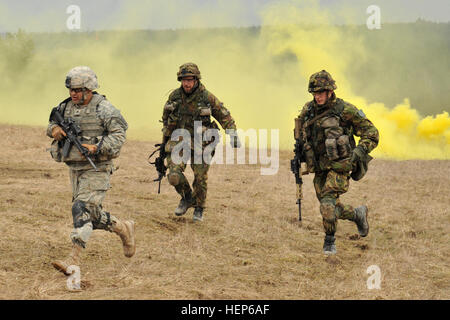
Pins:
x: 103, y: 132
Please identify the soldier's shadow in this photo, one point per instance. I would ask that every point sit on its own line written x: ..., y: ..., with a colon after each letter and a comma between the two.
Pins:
x: 182, y: 220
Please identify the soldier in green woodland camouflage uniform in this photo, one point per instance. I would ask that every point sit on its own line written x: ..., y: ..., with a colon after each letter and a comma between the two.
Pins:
x: 103, y: 133
x: 187, y: 104
x: 328, y: 125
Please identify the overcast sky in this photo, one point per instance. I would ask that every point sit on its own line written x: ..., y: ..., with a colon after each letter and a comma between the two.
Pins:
x: 50, y: 15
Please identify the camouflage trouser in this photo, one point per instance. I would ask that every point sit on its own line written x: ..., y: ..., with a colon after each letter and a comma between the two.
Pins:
x: 181, y: 184
x: 88, y: 191
x: 329, y: 186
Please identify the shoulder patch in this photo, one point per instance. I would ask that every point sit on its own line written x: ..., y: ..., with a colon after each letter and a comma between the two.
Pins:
x: 361, y: 114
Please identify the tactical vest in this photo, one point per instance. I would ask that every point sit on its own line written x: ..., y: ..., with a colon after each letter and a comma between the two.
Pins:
x: 329, y: 140
x: 181, y: 117
x: 92, y: 131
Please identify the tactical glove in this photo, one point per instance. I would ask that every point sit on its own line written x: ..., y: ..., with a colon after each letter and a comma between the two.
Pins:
x: 92, y: 148
x: 58, y: 133
x: 358, y: 154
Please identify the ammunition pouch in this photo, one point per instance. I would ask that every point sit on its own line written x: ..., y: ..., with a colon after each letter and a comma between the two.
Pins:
x: 331, y: 149
x: 343, y: 146
x: 205, y: 112
x: 55, y: 151
x: 309, y: 158
x: 337, y: 144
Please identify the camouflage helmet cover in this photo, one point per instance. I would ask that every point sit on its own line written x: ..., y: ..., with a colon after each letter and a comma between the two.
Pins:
x: 188, y: 70
x: 321, y: 81
x: 81, y: 77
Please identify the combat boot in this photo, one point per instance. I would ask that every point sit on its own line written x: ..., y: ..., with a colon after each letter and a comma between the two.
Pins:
x: 125, y: 230
x: 72, y: 260
x: 328, y: 245
x: 361, y: 214
x: 198, y: 214
x: 185, y: 203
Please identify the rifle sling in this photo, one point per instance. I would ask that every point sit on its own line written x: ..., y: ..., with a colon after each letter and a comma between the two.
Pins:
x: 310, y: 122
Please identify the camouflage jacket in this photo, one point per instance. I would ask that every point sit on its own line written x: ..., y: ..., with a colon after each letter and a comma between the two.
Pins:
x: 321, y: 125
x: 99, y: 121
x: 181, y: 110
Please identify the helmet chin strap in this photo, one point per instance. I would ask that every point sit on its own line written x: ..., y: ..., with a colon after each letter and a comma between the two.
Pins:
x: 83, y: 99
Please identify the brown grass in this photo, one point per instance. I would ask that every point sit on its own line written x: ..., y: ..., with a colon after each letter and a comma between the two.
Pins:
x: 249, y: 246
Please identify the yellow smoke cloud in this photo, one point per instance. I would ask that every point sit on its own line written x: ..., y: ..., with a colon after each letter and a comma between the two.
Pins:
x: 403, y: 133
x: 432, y: 128
x: 260, y: 75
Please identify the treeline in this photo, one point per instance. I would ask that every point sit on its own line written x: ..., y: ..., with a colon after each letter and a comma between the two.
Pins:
x: 405, y: 60
x: 16, y: 52
x: 401, y: 60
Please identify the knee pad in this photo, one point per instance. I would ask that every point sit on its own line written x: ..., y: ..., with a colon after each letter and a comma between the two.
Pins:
x: 174, y: 178
x: 80, y: 213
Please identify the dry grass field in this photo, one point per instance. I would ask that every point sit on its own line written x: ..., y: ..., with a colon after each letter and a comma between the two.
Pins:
x: 249, y: 246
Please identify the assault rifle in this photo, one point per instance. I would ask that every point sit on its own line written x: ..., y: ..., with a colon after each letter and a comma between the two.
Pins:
x: 299, y: 157
x: 159, y: 163
x: 71, y: 139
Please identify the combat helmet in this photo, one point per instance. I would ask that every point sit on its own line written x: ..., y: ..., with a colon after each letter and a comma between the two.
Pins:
x: 188, y: 70
x: 321, y: 81
x: 81, y: 77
